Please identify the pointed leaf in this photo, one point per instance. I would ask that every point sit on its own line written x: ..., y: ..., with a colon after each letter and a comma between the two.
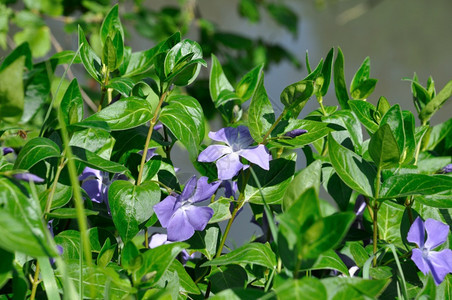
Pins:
x: 339, y: 80
x: 34, y: 151
x: 414, y: 184
x: 383, y: 148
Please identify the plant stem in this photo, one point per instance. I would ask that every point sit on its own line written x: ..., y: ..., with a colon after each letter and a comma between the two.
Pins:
x: 167, y: 148
x: 273, y: 126
x: 375, y: 207
x: 54, y: 185
x: 146, y: 238
x: 148, y: 138
x: 322, y: 108
x: 35, y: 282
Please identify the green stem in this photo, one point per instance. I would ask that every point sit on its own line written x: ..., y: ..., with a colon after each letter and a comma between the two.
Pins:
x: 322, y: 108
x: 54, y: 185
x: 35, y: 282
x: 375, y: 207
x: 167, y: 148
x: 148, y: 138
x: 274, y: 125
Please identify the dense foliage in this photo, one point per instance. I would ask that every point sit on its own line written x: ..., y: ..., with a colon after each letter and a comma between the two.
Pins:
x: 80, y: 192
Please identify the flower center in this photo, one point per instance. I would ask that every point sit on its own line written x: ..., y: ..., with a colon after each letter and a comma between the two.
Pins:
x: 425, y: 252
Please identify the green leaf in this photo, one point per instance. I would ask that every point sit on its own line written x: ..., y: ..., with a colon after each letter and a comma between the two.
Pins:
x: 12, y: 90
x: 206, y: 241
x: 69, y: 240
x: 390, y: 216
x: 260, y: 113
x: 351, y: 168
x: 106, y: 254
x: 186, y: 283
x: 38, y: 37
x: 363, y: 287
x: 394, y: 119
x: 347, y: 120
x: 111, y: 25
x: 34, y: 151
x: 109, y: 55
x: 328, y: 260
x: 316, y: 130
x: 94, y: 161
x: 410, y: 140
x: 241, y: 294
x: 72, y: 104
x: 218, y: 81
x: 250, y: 10
x: 414, y: 184
x: 122, y: 85
x: 246, y: 86
x: 365, y: 112
x: 307, y: 288
x: 21, y: 50
x: 383, y: 148
x: 65, y: 57
x: 440, y: 200
x: 90, y: 60
x: 362, y: 86
x: 339, y: 80
x: 221, y: 210
x: 129, y: 255
x: 325, y: 234
x: 227, y: 277
x: 359, y: 254
x: 132, y: 205
x: 184, y: 117
x: 430, y: 109
x: 124, y: 114
x: 274, y: 182
x: 156, y: 261
x: 48, y: 277
x: 309, y: 177
x: 337, y: 189
x: 95, y: 140
x: 69, y: 213
x: 6, y: 267
x: 295, y: 96
x: 284, y: 16
x: 252, y: 253
x: 326, y: 72
x: 141, y: 62
x: 438, y: 133
x: 21, y: 226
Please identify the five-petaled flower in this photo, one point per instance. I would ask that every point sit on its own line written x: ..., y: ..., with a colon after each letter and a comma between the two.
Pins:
x: 179, y: 215
x: 238, y: 144
x: 438, y: 263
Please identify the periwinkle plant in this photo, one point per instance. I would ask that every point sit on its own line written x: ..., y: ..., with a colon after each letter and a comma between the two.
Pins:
x: 74, y: 165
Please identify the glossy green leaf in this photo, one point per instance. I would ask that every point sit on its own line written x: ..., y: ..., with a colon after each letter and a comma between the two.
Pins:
x: 438, y: 134
x: 12, y: 90
x: 65, y: 57
x: 252, y: 253
x: 48, y: 278
x: 185, y: 119
x: 390, y: 218
x: 414, y: 184
x: 218, y: 80
x: 21, y: 50
x: 295, y: 96
x: 307, y: 288
x: 156, y: 261
x: 246, y: 86
x: 106, y: 254
x: 72, y: 104
x: 241, y: 294
x: 365, y: 112
x: 69, y: 213
x: 94, y: 161
x: 364, y: 287
x: 227, y: 277
x: 129, y: 255
x: 69, y: 240
x: 361, y: 85
x: 273, y: 182
x: 21, y: 225
x: 382, y: 107
x: 109, y: 55
x: 6, y: 266
x: 340, y: 86
x: 132, y: 205
x: 183, y: 62
x: 359, y: 254
x: 141, y: 62
x: 34, y: 151
x: 430, y: 109
x: 410, y: 140
x: 326, y: 72
x: 440, y: 200
x: 394, y: 119
x: 221, y: 210
x: 327, y: 260
x: 309, y: 177
x: 357, y: 173
x: 90, y: 60
x: 122, y: 85
x: 111, y: 24
x: 124, y: 114
x: 349, y: 128
x: 186, y: 283
x: 95, y: 140
x: 383, y: 148
x: 260, y: 113
x: 337, y: 189
x: 206, y: 241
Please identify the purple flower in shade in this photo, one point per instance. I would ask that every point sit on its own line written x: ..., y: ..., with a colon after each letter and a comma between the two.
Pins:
x: 150, y: 153
x: 296, y: 132
x: 28, y: 177
x: 179, y: 215
x: 238, y: 144
x: 230, y: 188
x: 438, y: 263
x: 447, y: 169
x: 7, y: 150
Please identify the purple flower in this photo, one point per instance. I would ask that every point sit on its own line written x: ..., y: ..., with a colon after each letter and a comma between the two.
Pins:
x: 294, y: 133
x: 159, y: 239
x: 230, y: 188
x: 28, y: 177
x: 238, y: 144
x: 179, y: 215
x: 7, y: 150
x: 438, y: 263
x: 96, y: 184
x: 447, y: 169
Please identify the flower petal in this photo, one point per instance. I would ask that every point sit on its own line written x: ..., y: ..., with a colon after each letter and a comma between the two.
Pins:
x: 189, y: 188
x: 28, y: 177
x: 228, y: 166
x: 416, y: 234
x: 440, y: 264
x: 179, y: 228
x: 214, y: 152
x: 90, y: 173
x: 220, y: 135
x: 157, y: 239
x: 257, y: 155
x: 165, y: 210
x: 93, y: 188
x: 198, y: 216
x: 244, y: 138
x: 420, y: 262
x: 436, y: 233
x: 204, y: 190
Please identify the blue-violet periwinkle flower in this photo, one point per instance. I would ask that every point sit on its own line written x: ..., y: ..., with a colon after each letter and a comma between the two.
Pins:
x: 28, y: 177
x: 159, y: 239
x: 296, y: 132
x: 96, y: 183
x: 238, y: 144
x: 447, y: 169
x: 7, y: 150
x: 438, y: 263
x: 179, y: 215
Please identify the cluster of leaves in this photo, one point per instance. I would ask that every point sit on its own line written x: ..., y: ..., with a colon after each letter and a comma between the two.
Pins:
x: 102, y: 250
